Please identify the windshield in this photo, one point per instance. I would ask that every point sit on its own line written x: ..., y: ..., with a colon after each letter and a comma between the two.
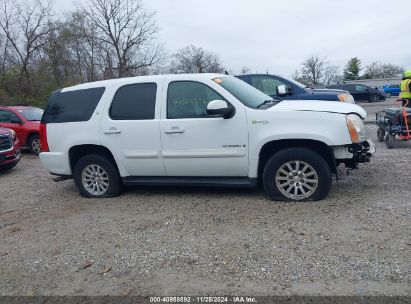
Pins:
x: 245, y: 93
x: 32, y: 114
x: 297, y: 83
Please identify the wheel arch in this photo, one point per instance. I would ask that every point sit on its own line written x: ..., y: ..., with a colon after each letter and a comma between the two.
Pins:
x: 77, y: 152
x: 271, y: 147
x: 29, y: 135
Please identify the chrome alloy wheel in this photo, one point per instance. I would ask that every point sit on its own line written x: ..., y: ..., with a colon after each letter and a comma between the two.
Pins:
x: 36, y: 146
x: 95, y: 180
x: 296, y: 180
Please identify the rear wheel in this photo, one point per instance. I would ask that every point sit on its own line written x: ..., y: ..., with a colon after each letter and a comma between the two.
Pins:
x: 297, y: 174
x: 380, y: 134
x: 389, y: 141
x: 34, y: 144
x: 96, y: 177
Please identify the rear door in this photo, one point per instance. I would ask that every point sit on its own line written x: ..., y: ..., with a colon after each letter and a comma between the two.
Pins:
x: 130, y: 128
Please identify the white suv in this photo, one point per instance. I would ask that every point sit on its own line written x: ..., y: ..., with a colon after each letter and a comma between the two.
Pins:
x: 198, y: 129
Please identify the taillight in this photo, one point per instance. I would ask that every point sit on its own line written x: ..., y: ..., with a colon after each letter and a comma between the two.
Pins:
x: 43, y: 138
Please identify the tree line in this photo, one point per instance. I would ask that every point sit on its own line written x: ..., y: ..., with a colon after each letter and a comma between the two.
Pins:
x: 316, y: 70
x: 104, y: 39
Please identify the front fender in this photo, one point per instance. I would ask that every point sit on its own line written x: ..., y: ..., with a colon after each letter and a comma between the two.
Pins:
x: 328, y: 128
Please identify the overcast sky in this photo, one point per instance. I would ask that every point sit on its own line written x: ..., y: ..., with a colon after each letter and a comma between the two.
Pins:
x: 279, y: 35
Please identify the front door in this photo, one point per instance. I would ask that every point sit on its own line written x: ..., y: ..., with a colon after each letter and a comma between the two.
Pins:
x: 131, y: 129
x: 196, y: 144
x: 10, y: 120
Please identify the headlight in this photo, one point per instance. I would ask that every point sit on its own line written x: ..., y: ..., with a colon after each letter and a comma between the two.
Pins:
x: 356, y: 128
x: 346, y: 98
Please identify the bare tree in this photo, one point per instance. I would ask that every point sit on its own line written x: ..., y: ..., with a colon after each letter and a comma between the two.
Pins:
x: 382, y: 70
x: 245, y: 70
x: 313, y: 69
x: 332, y: 75
x: 128, y: 31
x: 25, y: 25
x: 192, y: 59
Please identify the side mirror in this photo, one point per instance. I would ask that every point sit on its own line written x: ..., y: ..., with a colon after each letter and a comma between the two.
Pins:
x: 16, y: 121
x: 220, y: 108
x: 283, y: 90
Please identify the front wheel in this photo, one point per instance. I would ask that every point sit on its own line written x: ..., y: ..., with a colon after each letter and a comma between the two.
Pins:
x: 388, y: 94
x: 380, y: 134
x: 390, y: 141
x: 374, y: 98
x: 297, y: 174
x: 96, y: 177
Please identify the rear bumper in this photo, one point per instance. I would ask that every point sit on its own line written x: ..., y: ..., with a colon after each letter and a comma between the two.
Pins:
x: 56, y: 162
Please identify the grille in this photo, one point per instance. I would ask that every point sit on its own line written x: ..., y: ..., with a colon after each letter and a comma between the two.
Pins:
x: 5, y: 142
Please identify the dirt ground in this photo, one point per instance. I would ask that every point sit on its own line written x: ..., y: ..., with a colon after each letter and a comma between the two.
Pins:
x: 194, y: 241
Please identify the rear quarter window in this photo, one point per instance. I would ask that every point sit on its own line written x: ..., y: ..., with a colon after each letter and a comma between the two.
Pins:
x: 72, y: 106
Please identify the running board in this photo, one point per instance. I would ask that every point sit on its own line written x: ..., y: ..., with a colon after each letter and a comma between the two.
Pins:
x: 229, y: 182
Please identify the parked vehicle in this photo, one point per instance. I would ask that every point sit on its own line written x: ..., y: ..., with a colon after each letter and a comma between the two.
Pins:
x: 198, y: 129
x: 282, y: 88
x: 25, y: 121
x: 361, y: 92
x: 392, y: 90
x: 9, y: 149
x: 394, y: 121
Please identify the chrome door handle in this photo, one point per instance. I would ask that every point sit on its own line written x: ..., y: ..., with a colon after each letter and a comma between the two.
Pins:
x: 174, y: 130
x: 112, y: 131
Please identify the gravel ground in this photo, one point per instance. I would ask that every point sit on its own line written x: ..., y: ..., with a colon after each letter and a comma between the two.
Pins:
x: 179, y: 241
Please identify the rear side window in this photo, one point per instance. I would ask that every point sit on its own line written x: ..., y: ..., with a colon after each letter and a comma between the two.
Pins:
x: 134, y: 102
x: 72, y: 106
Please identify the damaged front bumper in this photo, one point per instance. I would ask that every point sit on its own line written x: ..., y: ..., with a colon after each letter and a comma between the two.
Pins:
x: 355, y: 154
x: 361, y: 152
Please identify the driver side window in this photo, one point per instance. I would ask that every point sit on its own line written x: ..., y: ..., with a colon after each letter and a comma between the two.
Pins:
x: 360, y: 88
x: 267, y: 85
x: 189, y: 99
x: 7, y: 116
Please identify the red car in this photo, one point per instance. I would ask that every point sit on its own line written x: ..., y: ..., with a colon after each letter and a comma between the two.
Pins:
x: 25, y: 121
x: 9, y: 149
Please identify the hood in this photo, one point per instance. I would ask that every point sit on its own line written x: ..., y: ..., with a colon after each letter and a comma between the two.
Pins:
x: 4, y: 131
x: 319, y: 106
x: 327, y: 91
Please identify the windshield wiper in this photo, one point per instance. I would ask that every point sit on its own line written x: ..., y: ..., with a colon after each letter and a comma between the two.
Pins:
x: 267, y: 102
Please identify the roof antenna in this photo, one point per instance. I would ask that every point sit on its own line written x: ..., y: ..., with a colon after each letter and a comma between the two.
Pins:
x: 226, y: 73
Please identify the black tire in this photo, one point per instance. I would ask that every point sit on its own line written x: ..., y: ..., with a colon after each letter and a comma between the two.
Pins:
x: 316, y: 161
x: 114, y: 182
x: 388, y: 94
x: 380, y: 134
x: 390, y: 141
x: 374, y: 98
x: 34, y: 144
